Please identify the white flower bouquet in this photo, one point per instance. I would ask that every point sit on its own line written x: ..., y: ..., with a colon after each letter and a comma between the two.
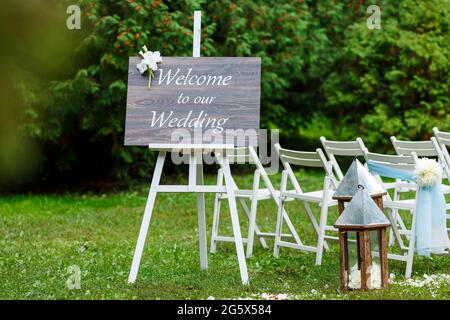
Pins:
x: 149, y: 62
x: 428, y: 172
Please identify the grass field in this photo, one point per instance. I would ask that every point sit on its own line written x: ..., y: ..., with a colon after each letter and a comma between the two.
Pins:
x: 42, y: 235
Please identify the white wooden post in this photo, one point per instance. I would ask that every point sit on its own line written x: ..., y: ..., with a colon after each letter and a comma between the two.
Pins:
x: 196, y: 160
x: 197, y: 33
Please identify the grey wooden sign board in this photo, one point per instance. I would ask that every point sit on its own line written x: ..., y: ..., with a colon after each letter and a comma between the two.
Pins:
x: 212, y: 95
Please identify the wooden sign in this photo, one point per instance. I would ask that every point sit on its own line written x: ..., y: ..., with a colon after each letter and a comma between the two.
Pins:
x: 217, y: 97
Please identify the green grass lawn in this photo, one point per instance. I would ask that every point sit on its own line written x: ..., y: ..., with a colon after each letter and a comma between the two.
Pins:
x: 42, y: 235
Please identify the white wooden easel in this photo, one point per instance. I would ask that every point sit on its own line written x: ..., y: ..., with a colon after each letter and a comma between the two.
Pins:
x: 195, y: 185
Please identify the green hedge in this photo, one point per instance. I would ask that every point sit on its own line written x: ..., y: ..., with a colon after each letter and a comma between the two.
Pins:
x: 324, y: 73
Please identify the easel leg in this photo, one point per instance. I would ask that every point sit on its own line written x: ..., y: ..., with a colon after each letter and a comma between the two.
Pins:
x: 252, y: 217
x: 216, y: 217
x: 147, y: 216
x: 201, y: 214
x: 280, y: 202
x: 234, y: 219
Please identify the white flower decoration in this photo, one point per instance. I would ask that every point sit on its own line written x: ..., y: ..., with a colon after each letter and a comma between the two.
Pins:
x: 428, y: 172
x: 142, y: 67
x: 149, y: 62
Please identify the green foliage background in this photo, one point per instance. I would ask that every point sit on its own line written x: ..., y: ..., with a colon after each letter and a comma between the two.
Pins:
x: 324, y: 73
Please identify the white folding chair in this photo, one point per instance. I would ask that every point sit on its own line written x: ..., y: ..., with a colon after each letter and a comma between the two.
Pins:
x: 354, y: 148
x: 428, y: 148
x: 393, y: 206
x: 249, y: 156
x: 321, y: 197
x: 341, y: 148
x: 398, y: 226
x: 443, y: 142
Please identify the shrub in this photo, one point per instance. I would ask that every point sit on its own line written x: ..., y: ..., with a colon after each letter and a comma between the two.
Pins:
x: 324, y: 72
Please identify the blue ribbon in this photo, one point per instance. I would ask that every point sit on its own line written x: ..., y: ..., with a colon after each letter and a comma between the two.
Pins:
x: 431, y: 222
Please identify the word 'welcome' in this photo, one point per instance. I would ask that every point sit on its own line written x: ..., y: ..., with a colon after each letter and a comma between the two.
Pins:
x: 188, y: 79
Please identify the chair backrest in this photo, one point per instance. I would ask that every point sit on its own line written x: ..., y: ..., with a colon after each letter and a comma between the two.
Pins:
x: 402, y: 162
x: 307, y: 159
x: 430, y: 148
x: 341, y: 148
x: 421, y: 148
x: 443, y: 141
x: 442, y: 137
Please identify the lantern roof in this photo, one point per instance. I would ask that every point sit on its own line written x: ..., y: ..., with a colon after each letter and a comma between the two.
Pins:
x: 362, y: 212
x: 356, y: 175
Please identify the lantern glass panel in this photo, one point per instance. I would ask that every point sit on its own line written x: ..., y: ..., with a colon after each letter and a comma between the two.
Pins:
x: 354, y: 262
x: 375, y: 270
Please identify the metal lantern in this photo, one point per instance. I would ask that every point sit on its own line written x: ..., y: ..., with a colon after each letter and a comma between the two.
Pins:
x: 363, y: 246
x: 357, y: 175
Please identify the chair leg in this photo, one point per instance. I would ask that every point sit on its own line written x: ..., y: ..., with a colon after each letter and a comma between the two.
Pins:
x: 396, y: 235
x: 314, y: 223
x: 412, y: 240
x: 215, y: 226
x: 401, y: 223
x: 276, y: 248
x: 251, y: 227
x: 320, y: 242
x: 322, y: 223
x: 394, y: 216
x: 278, y: 228
x: 258, y: 232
